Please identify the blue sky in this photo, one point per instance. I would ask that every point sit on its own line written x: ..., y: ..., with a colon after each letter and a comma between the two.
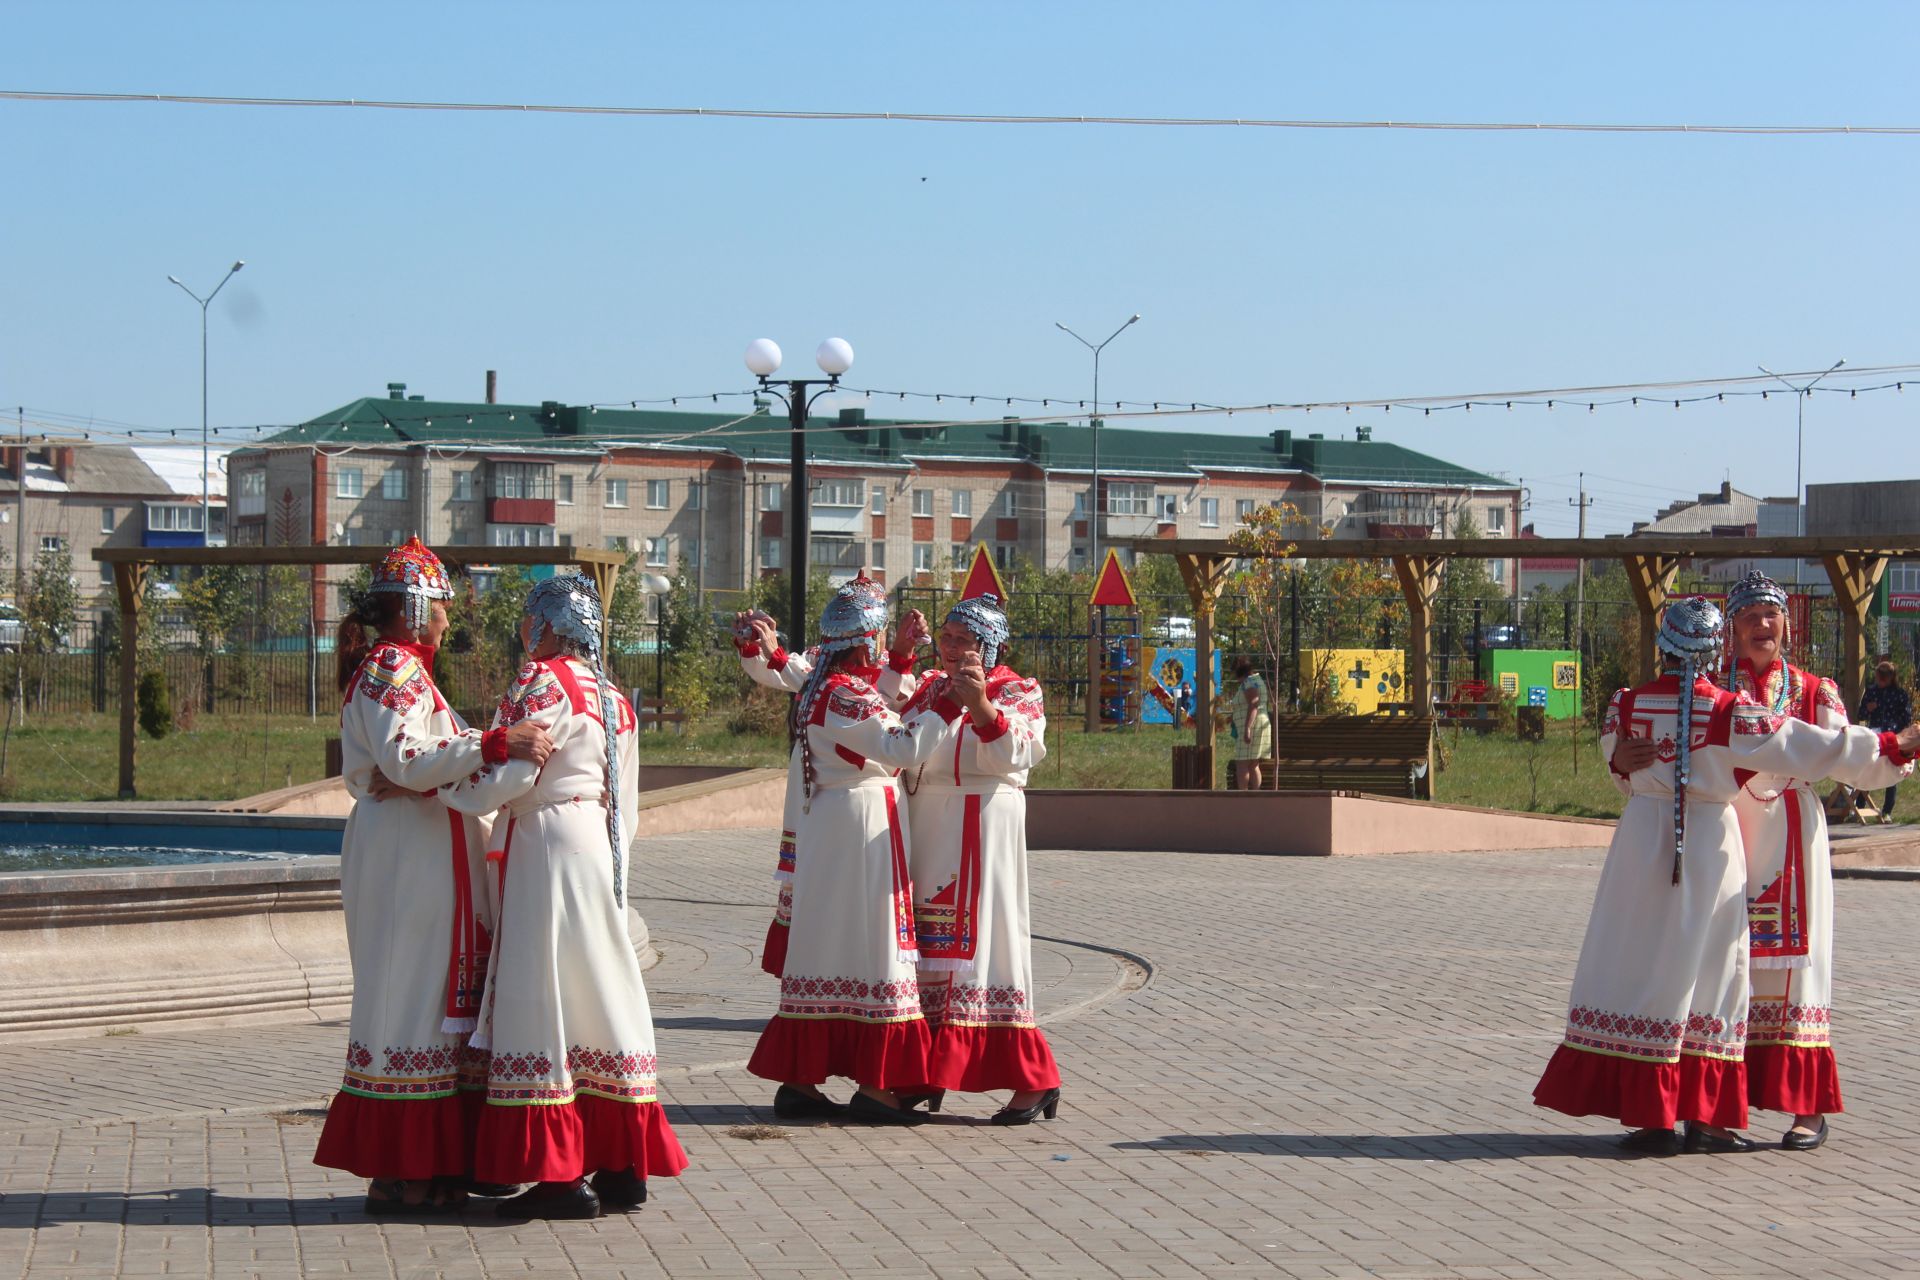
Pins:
x: 600, y: 259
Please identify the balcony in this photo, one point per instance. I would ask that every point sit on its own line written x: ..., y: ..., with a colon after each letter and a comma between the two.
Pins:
x: 520, y: 493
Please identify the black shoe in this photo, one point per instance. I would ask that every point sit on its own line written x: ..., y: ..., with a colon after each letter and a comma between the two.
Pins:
x: 1794, y: 1141
x: 1652, y: 1142
x: 486, y: 1190
x: 932, y: 1097
x: 620, y: 1188
x: 1049, y: 1105
x: 869, y: 1110
x: 1700, y: 1142
x: 576, y: 1200
x: 790, y: 1103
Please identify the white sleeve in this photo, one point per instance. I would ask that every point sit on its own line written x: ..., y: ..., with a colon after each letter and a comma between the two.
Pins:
x: 776, y: 670
x: 535, y: 696
x: 1768, y: 743
x: 1611, y: 731
x: 392, y: 708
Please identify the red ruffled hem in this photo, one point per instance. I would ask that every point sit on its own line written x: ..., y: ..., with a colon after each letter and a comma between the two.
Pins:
x: 773, y: 954
x: 1645, y: 1095
x: 880, y: 1055
x: 1796, y: 1080
x: 399, y: 1137
x: 571, y: 1140
x: 981, y: 1059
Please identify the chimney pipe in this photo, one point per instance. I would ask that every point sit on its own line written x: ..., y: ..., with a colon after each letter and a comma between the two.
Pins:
x: 493, y: 387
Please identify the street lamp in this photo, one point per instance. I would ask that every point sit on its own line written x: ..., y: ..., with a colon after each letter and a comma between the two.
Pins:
x: 206, y: 507
x: 1799, y: 435
x: 1093, y: 507
x: 835, y: 357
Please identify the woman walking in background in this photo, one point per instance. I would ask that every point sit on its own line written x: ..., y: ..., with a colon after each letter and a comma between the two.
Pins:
x: 1252, y: 726
x: 412, y: 881
x: 1887, y: 707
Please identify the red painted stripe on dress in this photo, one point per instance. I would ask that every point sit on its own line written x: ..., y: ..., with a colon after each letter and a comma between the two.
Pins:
x: 903, y: 923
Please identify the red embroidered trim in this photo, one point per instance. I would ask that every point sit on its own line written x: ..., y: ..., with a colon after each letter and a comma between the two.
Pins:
x: 778, y: 659
x: 993, y: 731
x: 902, y: 664
x: 493, y: 746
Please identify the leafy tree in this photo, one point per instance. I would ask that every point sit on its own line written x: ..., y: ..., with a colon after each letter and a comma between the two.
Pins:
x: 51, y: 612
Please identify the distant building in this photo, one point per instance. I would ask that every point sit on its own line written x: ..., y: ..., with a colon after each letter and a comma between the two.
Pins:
x: 1729, y: 513
x: 1544, y: 572
x: 81, y: 495
x: 902, y: 501
x: 1873, y: 507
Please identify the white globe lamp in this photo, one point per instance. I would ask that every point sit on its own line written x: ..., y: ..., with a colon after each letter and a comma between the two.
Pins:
x: 834, y: 357
x: 763, y: 357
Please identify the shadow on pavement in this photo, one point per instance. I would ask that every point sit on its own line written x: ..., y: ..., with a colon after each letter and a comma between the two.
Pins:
x: 1373, y: 1146
x: 199, y: 1207
x: 754, y: 1024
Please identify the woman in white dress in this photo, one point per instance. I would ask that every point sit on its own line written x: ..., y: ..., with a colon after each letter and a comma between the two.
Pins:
x: 1790, y: 1062
x: 969, y: 811
x: 849, y: 999
x: 571, y: 1072
x: 1657, y: 1022
x: 412, y: 882
x: 767, y: 663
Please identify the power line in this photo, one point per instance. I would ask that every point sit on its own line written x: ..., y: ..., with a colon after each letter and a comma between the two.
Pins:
x: 986, y: 118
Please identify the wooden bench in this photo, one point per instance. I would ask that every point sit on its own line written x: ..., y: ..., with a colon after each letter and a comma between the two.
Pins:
x: 1387, y: 755
x: 653, y: 713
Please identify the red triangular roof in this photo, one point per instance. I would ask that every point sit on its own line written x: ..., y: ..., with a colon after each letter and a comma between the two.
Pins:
x: 1112, y: 586
x: 982, y: 577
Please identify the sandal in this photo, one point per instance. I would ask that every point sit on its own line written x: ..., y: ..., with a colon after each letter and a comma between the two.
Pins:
x: 386, y: 1198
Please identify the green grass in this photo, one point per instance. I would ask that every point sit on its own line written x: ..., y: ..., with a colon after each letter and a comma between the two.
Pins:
x: 226, y: 757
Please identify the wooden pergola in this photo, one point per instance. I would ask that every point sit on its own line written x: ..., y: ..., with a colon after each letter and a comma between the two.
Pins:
x: 1854, y: 567
x: 132, y: 564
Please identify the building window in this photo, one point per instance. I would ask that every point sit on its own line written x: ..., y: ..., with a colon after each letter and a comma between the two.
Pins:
x: 1009, y: 504
x: 346, y: 482
x: 877, y: 556
x: 1003, y: 556
x: 960, y: 553
x: 617, y: 542
x: 923, y: 557
x: 532, y: 480
x: 106, y: 519
x: 690, y: 552
x: 840, y: 493
x: 656, y: 553
x: 463, y: 486
x: 1129, y: 499
x: 1210, y: 513
x: 1169, y: 508
x: 696, y: 494
x: 1496, y: 519
x: 923, y: 502
x: 175, y: 517
x: 253, y: 484
x: 506, y: 535
x: 616, y: 492
x: 564, y: 487
x: 1080, y: 505
x: 1079, y: 559
x: 1497, y: 570
x: 773, y: 496
x: 770, y: 553
x: 393, y: 485
x: 1242, y: 510
x: 879, y: 501
x: 49, y: 543
x: 963, y: 503
x: 657, y: 495
x: 834, y: 554
x: 395, y: 537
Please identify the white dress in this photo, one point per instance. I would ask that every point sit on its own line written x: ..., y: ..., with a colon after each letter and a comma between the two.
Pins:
x: 787, y: 673
x: 412, y: 880
x: 1790, y: 1063
x: 969, y: 813
x: 849, y: 999
x: 1657, y: 1021
x: 571, y: 1069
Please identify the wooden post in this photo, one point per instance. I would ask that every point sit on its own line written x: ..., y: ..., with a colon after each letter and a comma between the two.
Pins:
x: 1855, y: 576
x: 605, y: 576
x: 1419, y: 582
x: 129, y: 582
x: 1205, y: 576
x: 1649, y: 578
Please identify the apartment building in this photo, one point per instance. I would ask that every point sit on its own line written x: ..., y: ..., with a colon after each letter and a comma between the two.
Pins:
x: 80, y: 494
x: 901, y: 500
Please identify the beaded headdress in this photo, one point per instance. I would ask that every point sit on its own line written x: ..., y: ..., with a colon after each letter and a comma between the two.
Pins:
x: 983, y: 616
x: 414, y: 571
x: 1757, y: 589
x: 568, y: 606
x: 853, y: 619
x: 1691, y: 631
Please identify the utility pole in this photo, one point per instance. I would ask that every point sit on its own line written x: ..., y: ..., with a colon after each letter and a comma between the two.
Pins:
x: 1580, y: 580
x: 20, y: 518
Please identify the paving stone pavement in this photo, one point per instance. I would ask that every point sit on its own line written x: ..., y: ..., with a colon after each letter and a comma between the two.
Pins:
x: 1327, y: 1073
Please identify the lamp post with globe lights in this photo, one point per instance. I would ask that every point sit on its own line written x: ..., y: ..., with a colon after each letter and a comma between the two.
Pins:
x: 206, y: 509
x: 835, y: 357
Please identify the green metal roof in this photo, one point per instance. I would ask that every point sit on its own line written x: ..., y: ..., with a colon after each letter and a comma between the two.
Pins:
x: 764, y: 438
